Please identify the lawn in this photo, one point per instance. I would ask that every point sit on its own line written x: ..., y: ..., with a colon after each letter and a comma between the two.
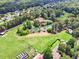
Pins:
x: 64, y: 17
x: 11, y: 45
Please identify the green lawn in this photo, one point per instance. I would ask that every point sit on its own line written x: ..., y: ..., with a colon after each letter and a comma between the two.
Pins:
x: 64, y: 17
x: 11, y: 45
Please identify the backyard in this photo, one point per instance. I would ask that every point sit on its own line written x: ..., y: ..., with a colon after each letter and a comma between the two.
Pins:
x: 12, y: 45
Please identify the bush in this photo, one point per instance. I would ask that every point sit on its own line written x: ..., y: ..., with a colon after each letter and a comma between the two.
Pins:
x: 25, y: 32
x: 22, y: 32
x: 49, y: 22
x: 49, y: 30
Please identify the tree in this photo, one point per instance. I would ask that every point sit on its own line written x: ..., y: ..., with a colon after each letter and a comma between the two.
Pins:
x: 66, y: 22
x: 47, y: 54
x: 21, y: 31
x: 76, y: 33
x: 55, y: 26
x: 44, y: 15
x: 28, y: 24
x: 65, y: 57
x: 2, y: 28
x: 58, y: 13
x: 71, y: 42
x: 60, y: 26
x: 62, y: 48
x: 36, y: 23
x: 68, y: 50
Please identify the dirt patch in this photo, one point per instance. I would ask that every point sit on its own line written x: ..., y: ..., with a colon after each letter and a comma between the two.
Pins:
x: 30, y: 36
x: 38, y: 34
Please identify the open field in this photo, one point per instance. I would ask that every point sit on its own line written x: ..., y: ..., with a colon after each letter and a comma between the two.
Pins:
x: 11, y: 45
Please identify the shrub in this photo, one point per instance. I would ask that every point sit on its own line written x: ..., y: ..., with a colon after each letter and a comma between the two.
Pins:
x: 25, y: 32
x: 22, y: 32
x: 49, y: 22
x: 49, y: 30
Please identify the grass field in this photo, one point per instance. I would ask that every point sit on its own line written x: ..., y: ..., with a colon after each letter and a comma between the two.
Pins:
x: 11, y: 45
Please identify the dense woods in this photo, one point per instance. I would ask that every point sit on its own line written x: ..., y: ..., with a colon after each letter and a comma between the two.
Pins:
x: 48, y: 12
